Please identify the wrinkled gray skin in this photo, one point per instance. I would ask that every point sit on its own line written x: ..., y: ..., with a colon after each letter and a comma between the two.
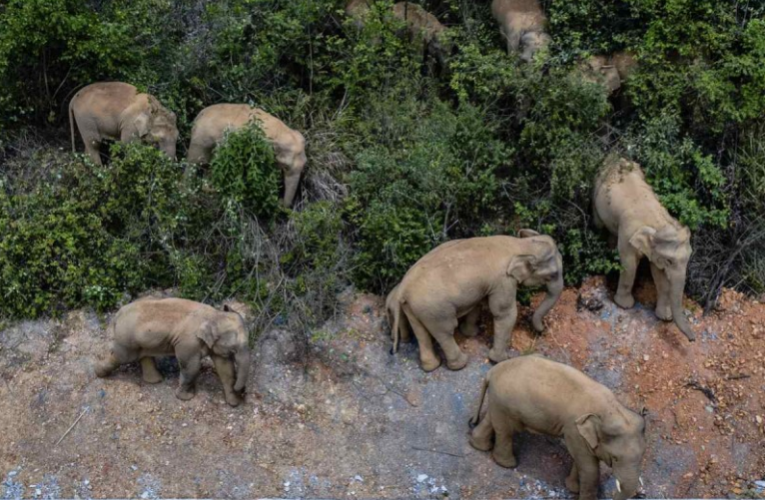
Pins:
x: 116, y: 111
x: 450, y: 282
x: 535, y: 394
x: 626, y: 205
x: 152, y: 327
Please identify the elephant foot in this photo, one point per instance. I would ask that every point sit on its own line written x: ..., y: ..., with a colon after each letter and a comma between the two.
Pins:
x: 625, y: 301
x: 481, y: 443
x: 184, y: 394
x: 233, y: 400
x: 459, y: 363
x: 102, y: 370
x: 572, y: 484
x: 508, y: 462
x: 468, y: 329
x: 430, y: 364
x: 664, y: 313
x: 498, y: 355
x: 152, y: 378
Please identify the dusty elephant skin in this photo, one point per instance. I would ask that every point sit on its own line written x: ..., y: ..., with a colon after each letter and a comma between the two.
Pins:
x: 149, y: 328
x: 600, y: 70
x: 117, y: 111
x: 422, y: 25
x: 542, y: 396
x: 452, y: 280
x: 523, y: 24
x: 626, y: 205
x: 289, y: 145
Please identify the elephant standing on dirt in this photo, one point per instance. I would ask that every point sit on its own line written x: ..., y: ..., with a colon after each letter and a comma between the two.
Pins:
x: 117, y: 111
x: 624, y: 203
x: 523, y: 24
x: 451, y: 281
x: 152, y: 327
x: 289, y: 145
x: 539, y: 395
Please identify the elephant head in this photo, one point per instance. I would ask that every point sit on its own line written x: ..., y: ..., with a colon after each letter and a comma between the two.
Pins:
x: 157, y: 125
x: 618, y: 439
x: 669, y: 249
x: 542, y: 265
x: 532, y: 42
x: 596, y: 69
x: 228, y: 338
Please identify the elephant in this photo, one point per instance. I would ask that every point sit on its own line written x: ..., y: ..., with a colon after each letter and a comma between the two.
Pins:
x: 542, y: 396
x: 449, y: 283
x: 625, y: 63
x: 600, y: 70
x: 117, y: 111
x: 357, y: 9
x: 154, y: 327
x: 625, y: 204
x: 289, y: 145
x: 523, y: 24
x: 422, y: 25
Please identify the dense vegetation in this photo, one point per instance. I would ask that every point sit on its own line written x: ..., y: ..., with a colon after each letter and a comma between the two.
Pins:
x: 401, y: 155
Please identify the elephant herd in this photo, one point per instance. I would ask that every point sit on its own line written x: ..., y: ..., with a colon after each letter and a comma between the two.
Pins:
x: 444, y: 290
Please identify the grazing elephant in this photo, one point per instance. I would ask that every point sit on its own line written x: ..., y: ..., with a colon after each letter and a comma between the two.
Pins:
x: 114, y: 110
x: 600, y: 70
x: 422, y: 25
x: 451, y: 282
x: 152, y: 327
x: 624, y: 203
x: 523, y: 24
x: 289, y: 145
x: 539, y: 395
x: 625, y: 63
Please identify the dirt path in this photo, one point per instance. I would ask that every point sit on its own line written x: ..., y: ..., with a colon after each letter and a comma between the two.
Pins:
x: 355, y: 421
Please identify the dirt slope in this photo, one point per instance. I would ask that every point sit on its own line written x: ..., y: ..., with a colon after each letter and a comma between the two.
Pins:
x: 354, y: 421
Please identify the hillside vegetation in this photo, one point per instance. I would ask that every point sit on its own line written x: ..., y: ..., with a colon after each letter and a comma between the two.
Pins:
x: 401, y: 155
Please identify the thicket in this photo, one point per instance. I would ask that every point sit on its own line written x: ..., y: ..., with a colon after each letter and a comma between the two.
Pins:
x: 401, y: 155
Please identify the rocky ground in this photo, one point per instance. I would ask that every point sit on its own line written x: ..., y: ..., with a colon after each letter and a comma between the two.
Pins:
x: 338, y: 416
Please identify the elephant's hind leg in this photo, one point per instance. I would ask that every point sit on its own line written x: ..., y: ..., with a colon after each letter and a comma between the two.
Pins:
x: 150, y: 373
x: 469, y: 323
x: 443, y: 332
x: 428, y: 359
x: 504, y: 428
x: 482, y: 437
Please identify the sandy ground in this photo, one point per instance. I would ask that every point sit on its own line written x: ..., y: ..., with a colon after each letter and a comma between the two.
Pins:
x: 338, y: 416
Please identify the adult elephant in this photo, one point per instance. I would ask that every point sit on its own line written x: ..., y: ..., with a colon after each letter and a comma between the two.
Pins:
x: 626, y: 205
x: 289, y: 145
x: 117, y: 111
x: 523, y: 24
x: 448, y: 284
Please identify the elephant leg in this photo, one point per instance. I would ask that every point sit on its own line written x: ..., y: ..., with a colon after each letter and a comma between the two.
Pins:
x: 428, y: 359
x: 469, y: 324
x: 663, y: 309
x: 623, y: 297
x: 190, y: 366
x: 93, y: 148
x: 150, y: 373
x: 225, y: 369
x: 505, y: 312
x: 117, y: 356
x: 198, y: 154
x: 504, y: 429
x: 587, y: 466
x: 291, y: 181
x: 482, y: 437
x: 572, y: 481
x: 443, y: 332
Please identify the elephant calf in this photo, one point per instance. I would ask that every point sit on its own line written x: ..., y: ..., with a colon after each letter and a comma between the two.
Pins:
x: 624, y: 203
x: 152, y: 327
x: 289, y: 145
x: 452, y: 280
x: 523, y: 23
x: 422, y: 25
x: 117, y: 111
x: 539, y: 395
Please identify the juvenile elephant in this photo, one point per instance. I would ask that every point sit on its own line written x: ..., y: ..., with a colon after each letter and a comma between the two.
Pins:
x: 523, y: 23
x: 624, y: 203
x: 289, y: 145
x: 152, y: 327
x: 601, y: 70
x: 357, y: 9
x: 541, y: 396
x: 422, y: 25
x: 117, y: 111
x: 450, y: 282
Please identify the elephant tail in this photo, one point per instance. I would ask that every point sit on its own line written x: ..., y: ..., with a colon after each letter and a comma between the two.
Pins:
x: 395, y: 332
x: 477, y: 417
x: 71, y: 122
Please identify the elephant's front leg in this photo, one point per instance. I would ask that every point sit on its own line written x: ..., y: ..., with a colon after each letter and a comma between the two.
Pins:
x: 629, y: 259
x: 190, y: 364
x: 225, y: 369
x: 505, y: 312
x: 572, y: 481
x: 663, y: 309
x: 586, y: 465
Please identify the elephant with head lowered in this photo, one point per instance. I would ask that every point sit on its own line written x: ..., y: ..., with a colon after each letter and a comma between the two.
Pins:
x: 153, y: 327
x: 523, y: 24
x: 451, y: 281
x: 117, y: 111
x: 289, y: 145
x: 536, y: 394
x: 626, y: 205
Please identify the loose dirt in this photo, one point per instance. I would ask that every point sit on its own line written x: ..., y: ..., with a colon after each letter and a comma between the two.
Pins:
x: 338, y: 416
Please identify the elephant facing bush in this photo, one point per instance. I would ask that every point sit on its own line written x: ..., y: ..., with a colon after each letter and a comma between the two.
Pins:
x: 523, y: 24
x: 117, y: 111
x: 451, y: 281
x: 152, y: 327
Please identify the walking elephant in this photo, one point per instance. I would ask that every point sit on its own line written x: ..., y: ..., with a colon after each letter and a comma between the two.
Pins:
x: 451, y: 281
x: 117, y: 111
x: 289, y: 145
x: 539, y: 395
x: 523, y: 24
x: 626, y: 205
x: 152, y: 327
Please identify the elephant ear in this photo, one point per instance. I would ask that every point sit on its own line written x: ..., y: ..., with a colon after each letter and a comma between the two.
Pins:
x: 142, y: 124
x: 208, y: 334
x: 643, y: 240
x: 527, y: 233
x: 589, y: 428
x: 520, y: 266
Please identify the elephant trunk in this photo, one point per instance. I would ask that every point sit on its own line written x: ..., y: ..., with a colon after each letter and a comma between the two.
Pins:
x: 554, y: 290
x: 627, y: 484
x: 676, y: 304
x: 243, y: 360
x: 169, y: 150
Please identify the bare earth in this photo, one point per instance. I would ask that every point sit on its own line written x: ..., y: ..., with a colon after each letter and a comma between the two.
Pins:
x: 341, y: 417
